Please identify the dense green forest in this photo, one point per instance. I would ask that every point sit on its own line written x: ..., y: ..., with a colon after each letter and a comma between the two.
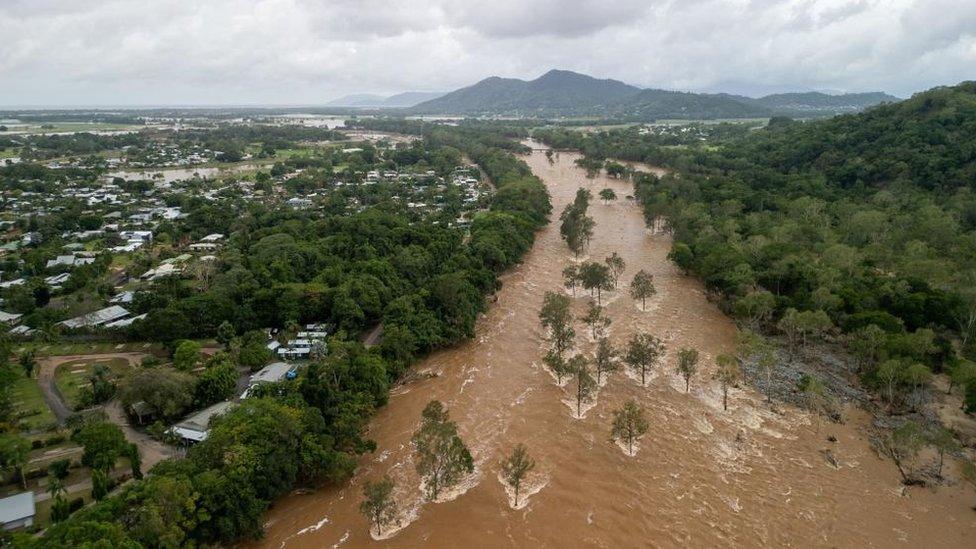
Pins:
x: 424, y: 283
x: 868, y: 219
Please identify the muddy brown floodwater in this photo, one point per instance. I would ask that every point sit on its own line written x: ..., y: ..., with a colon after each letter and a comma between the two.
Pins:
x: 701, y: 478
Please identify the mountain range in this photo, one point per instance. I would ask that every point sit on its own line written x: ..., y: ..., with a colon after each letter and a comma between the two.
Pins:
x: 560, y: 93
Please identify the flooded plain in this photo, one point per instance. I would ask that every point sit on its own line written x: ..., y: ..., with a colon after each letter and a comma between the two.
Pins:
x: 749, y: 477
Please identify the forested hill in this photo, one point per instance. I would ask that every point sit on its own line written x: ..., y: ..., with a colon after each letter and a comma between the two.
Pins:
x: 566, y: 93
x: 928, y: 140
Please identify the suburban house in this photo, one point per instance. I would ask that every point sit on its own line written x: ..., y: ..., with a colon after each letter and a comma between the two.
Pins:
x: 272, y: 373
x: 10, y: 319
x: 196, y: 426
x: 17, y: 511
x: 97, y: 318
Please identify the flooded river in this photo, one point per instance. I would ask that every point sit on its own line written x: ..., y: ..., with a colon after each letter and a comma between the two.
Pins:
x: 702, y: 477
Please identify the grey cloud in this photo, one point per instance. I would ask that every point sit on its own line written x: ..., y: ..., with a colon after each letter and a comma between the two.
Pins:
x: 307, y: 51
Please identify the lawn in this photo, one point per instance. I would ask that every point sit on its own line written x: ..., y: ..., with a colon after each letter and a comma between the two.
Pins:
x: 29, y: 404
x: 94, y: 347
x: 72, y: 377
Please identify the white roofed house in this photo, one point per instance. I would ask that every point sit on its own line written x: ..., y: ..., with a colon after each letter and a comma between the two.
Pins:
x: 195, y: 427
x: 97, y: 318
x: 17, y: 511
x: 272, y: 373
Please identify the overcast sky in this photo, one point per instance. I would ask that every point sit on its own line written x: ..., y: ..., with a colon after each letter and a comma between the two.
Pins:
x: 234, y: 52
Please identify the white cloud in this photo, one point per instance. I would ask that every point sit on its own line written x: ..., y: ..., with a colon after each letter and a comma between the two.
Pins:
x: 307, y: 51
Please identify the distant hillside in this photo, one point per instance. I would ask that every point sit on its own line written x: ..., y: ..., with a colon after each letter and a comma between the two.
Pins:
x: 373, y: 101
x: 555, y: 91
x: 928, y: 140
x: 816, y: 103
x: 566, y: 93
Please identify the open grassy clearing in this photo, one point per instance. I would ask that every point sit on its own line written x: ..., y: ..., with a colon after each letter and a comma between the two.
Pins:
x: 29, y: 404
x: 72, y: 377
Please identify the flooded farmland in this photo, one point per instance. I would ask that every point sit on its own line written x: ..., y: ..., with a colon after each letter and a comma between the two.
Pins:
x: 702, y: 477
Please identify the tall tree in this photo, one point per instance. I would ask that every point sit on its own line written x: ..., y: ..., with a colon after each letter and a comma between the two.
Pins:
x: 14, y: 454
x: 643, y: 350
x: 595, y: 277
x: 687, y: 364
x: 727, y: 373
x: 902, y: 445
x: 629, y: 424
x: 442, y: 459
x: 378, y: 504
x: 944, y: 442
x: 595, y: 319
x: 515, y: 468
x: 585, y: 384
x: 571, y: 277
x: 28, y: 362
x: 557, y: 365
x: 790, y: 326
x: 616, y: 264
x: 605, y: 359
x: 642, y: 287
x: 557, y: 317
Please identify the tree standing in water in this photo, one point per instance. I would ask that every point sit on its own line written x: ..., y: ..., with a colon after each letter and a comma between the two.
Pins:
x: 585, y: 384
x: 607, y: 195
x: 616, y: 264
x: 595, y: 319
x: 557, y: 364
x: 687, y: 365
x: 629, y: 424
x: 571, y: 277
x: 596, y: 278
x: 378, y: 505
x: 606, y: 359
x: 727, y: 374
x: 516, y: 467
x: 441, y: 456
x: 642, y: 287
x: 558, y: 319
x: 642, y: 351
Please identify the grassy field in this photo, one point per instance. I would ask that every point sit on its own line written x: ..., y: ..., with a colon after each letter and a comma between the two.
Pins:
x: 72, y: 377
x: 56, y: 127
x: 29, y: 403
x: 9, y: 153
x: 92, y: 347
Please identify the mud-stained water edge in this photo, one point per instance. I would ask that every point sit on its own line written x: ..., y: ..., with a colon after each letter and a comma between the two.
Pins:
x: 701, y: 478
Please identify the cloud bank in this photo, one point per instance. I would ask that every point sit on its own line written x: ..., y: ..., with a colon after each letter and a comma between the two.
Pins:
x: 232, y: 52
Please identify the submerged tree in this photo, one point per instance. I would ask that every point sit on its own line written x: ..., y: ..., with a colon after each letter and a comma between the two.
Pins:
x: 378, y: 504
x: 585, y: 384
x: 642, y: 287
x: 605, y: 359
x: 944, y: 443
x: 596, y: 278
x: 642, y: 351
x: 558, y: 319
x: 727, y: 374
x: 616, y: 264
x: 629, y: 424
x: 441, y: 456
x: 557, y: 364
x: 571, y: 277
x: 595, y: 319
x: 902, y: 445
x: 515, y: 468
x: 607, y: 195
x: 687, y: 364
